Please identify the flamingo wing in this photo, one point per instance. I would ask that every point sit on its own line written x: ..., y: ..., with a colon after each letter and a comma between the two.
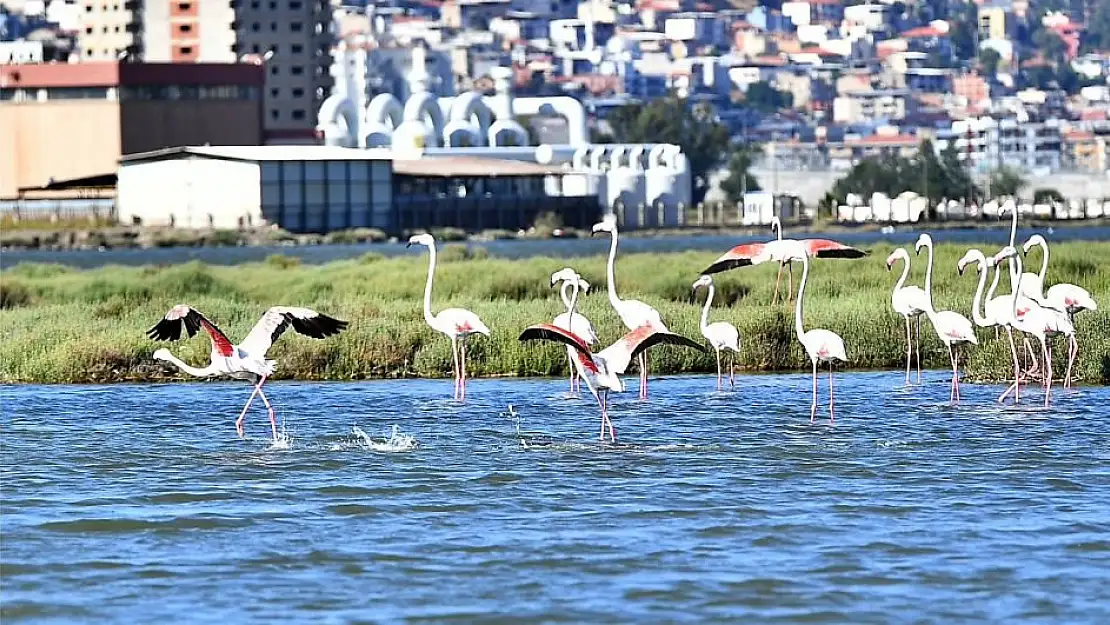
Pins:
x: 278, y: 319
x: 549, y: 332
x: 189, y: 318
x: 826, y: 248
x: 739, y: 256
x: 618, y: 355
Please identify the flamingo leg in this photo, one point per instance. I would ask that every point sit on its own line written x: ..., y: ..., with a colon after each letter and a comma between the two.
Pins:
x: 1047, y: 371
x: 909, y: 350
x: 813, y: 407
x: 242, y: 415
x: 570, y: 366
x: 790, y: 281
x: 718, y: 369
x: 455, y: 362
x: 732, y: 370
x: 956, y: 373
x: 462, y: 364
x: 270, y: 409
x: 917, y: 346
x: 832, y: 419
x: 1017, y: 370
x: 643, y: 375
x: 778, y: 278
x: 1034, y: 366
x: 952, y: 386
x: 1073, y: 351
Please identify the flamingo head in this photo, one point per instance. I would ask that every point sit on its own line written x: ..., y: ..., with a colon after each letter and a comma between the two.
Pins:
x: 1004, y: 253
x: 922, y: 241
x: 1036, y: 239
x: 582, y: 284
x: 566, y: 273
x: 162, y: 354
x: 608, y: 223
x: 894, y: 256
x: 421, y: 239
x: 972, y: 256
x: 703, y: 281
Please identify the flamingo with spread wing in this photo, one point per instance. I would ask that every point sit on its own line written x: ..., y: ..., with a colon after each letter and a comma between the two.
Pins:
x: 602, y: 370
x: 247, y: 360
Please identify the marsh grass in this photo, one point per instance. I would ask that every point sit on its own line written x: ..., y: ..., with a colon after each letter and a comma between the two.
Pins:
x: 63, y: 325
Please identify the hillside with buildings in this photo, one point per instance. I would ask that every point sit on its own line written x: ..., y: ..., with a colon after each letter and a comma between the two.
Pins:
x: 537, y: 94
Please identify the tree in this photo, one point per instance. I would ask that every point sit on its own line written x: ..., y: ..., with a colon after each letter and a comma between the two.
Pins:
x: 703, y: 139
x: 964, y: 17
x: 1006, y: 181
x: 1046, y: 195
x: 740, y: 180
x: 988, y: 61
x: 762, y: 96
x: 1051, y: 46
x: 1098, y: 28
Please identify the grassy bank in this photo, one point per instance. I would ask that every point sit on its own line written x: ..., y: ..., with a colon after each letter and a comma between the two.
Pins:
x: 64, y: 325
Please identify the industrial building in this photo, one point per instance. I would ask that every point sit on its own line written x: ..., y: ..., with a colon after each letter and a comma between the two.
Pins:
x: 645, y: 184
x: 325, y: 188
x: 66, y: 121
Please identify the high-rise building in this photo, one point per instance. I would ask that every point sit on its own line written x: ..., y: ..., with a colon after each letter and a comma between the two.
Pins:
x: 292, y: 37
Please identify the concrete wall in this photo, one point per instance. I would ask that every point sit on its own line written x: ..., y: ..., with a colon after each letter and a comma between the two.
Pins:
x: 190, y: 193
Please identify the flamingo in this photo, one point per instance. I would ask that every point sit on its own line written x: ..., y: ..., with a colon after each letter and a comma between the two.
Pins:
x: 821, y: 345
x: 247, y: 360
x: 776, y: 227
x: 911, y: 303
x: 576, y: 322
x: 782, y: 251
x: 1068, y: 298
x: 720, y: 334
x: 456, y: 323
x: 633, y: 313
x: 602, y: 370
x: 1028, y: 316
x: 996, y: 310
x: 952, y: 328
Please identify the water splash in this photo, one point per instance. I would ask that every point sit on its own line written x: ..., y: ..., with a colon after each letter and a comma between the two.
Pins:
x: 396, y: 441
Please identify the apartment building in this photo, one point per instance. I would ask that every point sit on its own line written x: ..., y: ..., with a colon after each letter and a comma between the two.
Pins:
x: 292, y: 37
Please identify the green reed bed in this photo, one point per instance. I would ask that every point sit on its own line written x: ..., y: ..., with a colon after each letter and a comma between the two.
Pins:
x: 61, y: 325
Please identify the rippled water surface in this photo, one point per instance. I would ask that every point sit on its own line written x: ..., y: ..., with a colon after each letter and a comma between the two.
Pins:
x: 138, y: 504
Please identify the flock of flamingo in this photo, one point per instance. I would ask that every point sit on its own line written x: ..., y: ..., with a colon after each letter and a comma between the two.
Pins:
x: 1028, y: 309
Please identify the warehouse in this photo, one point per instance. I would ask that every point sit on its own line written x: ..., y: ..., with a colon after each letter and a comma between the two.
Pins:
x: 326, y: 188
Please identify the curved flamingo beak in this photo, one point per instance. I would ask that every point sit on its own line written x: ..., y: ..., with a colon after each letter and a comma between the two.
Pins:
x: 408, y: 245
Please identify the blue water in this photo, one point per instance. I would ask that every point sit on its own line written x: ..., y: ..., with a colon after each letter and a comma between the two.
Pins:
x: 137, y: 504
x: 559, y: 248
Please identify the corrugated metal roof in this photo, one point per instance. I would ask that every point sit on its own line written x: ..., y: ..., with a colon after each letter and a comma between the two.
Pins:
x: 429, y: 165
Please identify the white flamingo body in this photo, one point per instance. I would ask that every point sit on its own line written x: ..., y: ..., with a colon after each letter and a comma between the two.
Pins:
x: 634, y: 314
x: 572, y: 320
x: 821, y: 346
x: 910, y: 302
x: 720, y: 334
x: 247, y: 360
x: 952, y: 328
x: 602, y: 371
x: 456, y: 323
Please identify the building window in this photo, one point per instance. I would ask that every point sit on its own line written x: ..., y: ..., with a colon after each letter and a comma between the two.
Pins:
x: 273, y: 114
x: 275, y: 92
x: 255, y: 49
x: 297, y: 70
x: 296, y: 6
x: 88, y: 30
x: 185, y: 28
x: 273, y: 5
x: 297, y: 48
x: 256, y: 27
x: 296, y: 27
x: 298, y: 114
x: 184, y: 6
x: 186, y: 50
x: 274, y: 70
x: 77, y: 93
x: 273, y: 26
x: 298, y: 92
x: 254, y: 5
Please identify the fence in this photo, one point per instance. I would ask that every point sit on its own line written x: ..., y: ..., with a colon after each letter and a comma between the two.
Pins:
x: 55, y: 210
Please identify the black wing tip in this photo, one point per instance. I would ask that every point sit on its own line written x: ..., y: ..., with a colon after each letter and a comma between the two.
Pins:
x: 725, y: 265
x: 318, y: 327
x: 847, y: 252
x: 166, y: 330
